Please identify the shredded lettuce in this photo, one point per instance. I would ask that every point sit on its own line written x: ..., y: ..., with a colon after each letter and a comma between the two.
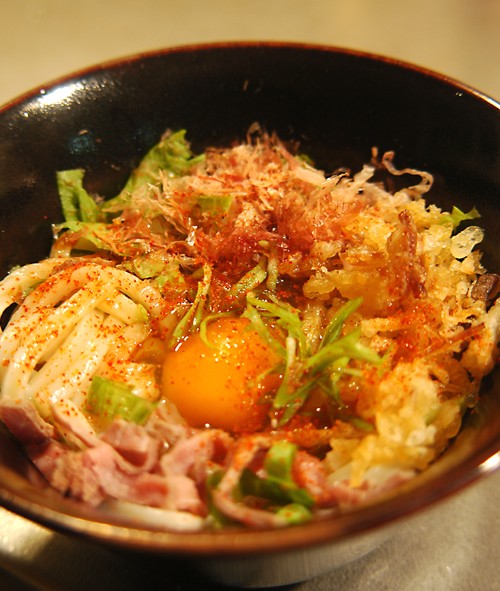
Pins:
x: 76, y: 203
x: 215, y: 205
x: 172, y: 154
x: 163, y: 269
x: 92, y: 236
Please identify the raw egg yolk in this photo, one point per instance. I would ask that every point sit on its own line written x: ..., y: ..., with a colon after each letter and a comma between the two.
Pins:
x: 221, y: 385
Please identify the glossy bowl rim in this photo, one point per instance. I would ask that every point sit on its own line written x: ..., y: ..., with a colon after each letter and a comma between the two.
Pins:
x: 246, y: 541
x: 201, y: 47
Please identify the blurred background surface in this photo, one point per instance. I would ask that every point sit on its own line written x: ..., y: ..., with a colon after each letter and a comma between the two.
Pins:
x: 44, y: 39
x: 455, y: 546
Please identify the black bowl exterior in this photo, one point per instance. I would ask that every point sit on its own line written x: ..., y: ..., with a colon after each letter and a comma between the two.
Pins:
x: 338, y: 104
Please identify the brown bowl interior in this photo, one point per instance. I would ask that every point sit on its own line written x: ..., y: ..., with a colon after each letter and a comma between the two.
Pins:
x: 337, y: 104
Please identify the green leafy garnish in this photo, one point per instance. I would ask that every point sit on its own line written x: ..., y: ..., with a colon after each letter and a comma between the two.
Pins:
x: 108, y: 399
x: 457, y: 216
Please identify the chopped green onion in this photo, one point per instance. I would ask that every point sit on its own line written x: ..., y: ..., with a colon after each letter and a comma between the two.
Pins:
x: 192, y: 319
x: 249, y: 281
x: 278, y: 485
x: 272, y: 272
x: 279, y: 461
x: 303, y: 371
x: 108, y: 399
x: 348, y: 346
x: 272, y: 491
x: 258, y: 324
x: 292, y: 399
x: 204, y: 324
x: 334, y: 328
x: 357, y: 422
x: 286, y: 316
x: 294, y: 513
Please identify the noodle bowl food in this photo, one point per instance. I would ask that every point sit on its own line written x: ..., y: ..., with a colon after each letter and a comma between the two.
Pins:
x: 241, y: 338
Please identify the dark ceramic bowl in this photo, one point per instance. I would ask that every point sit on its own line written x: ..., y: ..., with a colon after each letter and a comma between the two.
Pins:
x: 338, y: 104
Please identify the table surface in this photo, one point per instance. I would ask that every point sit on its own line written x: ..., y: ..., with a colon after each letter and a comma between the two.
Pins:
x: 454, y: 546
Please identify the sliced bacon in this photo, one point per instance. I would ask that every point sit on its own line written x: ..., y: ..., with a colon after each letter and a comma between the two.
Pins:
x: 97, y: 472
x: 183, y: 495
x: 45, y: 456
x: 73, y: 424
x: 145, y: 489
x: 195, y: 455
x: 167, y: 425
x: 24, y: 422
x: 124, y: 465
x: 66, y: 472
x: 133, y: 443
x: 73, y: 475
x: 121, y: 480
x: 187, y: 465
x: 347, y: 496
x: 309, y: 473
x: 244, y: 514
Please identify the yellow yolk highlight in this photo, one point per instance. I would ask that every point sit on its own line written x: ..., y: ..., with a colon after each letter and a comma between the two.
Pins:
x: 219, y: 384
